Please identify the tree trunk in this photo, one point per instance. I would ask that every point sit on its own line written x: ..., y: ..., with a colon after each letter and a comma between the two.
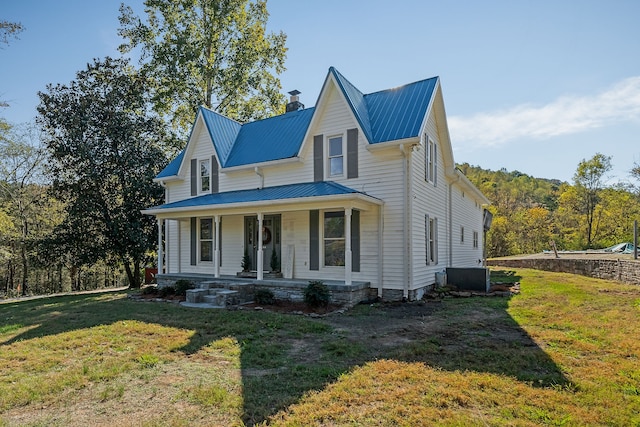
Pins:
x: 25, y: 269
x: 133, y: 274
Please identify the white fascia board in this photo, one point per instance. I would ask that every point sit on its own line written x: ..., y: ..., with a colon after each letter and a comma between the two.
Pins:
x: 270, y: 163
x: 320, y: 105
x: 465, y: 182
x: 414, y: 140
x: 168, y: 179
x: 425, y: 119
x: 301, y: 203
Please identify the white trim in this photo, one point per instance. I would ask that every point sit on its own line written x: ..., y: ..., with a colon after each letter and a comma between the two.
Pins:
x: 260, y: 252
x: 414, y: 140
x: 270, y: 163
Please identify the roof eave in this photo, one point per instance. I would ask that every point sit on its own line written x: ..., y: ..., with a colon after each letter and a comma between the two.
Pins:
x: 414, y: 140
x: 250, y: 166
x: 264, y: 203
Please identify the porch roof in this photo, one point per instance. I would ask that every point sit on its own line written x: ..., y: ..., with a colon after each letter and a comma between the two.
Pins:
x: 291, y: 193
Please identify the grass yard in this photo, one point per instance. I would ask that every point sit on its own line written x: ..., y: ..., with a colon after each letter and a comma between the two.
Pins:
x: 563, y: 352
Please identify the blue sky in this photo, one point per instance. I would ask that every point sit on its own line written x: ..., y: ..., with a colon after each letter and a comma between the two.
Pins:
x: 534, y: 86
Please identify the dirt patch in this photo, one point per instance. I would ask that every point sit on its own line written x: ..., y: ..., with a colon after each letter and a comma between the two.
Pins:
x: 293, y: 307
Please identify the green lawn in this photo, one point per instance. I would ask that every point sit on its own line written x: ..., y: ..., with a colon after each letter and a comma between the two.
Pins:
x: 563, y: 352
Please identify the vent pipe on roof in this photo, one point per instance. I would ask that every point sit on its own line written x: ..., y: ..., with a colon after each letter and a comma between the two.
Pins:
x: 294, y: 102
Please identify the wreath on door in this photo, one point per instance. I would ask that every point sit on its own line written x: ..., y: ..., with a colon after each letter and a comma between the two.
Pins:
x: 266, y: 235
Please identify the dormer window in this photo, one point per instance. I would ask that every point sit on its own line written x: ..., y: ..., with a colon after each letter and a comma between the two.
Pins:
x: 205, y: 176
x: 336, y: 156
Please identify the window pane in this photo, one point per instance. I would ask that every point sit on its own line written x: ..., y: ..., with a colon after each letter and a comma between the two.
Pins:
x: 206, y: 228
x: 333, y: 227
x: 205, y: 182
x: 334, y: 252
x: 335, y: 146
x: 336, y: 166
x: 206, y: 251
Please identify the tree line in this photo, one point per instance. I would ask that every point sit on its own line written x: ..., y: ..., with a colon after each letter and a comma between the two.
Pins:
x: 529, y: 213
x: 73, y: 183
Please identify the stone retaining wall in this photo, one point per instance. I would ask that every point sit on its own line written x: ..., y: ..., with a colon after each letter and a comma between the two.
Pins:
x: 610, y: 269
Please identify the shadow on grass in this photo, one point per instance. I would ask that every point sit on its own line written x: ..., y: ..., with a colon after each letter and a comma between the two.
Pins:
x: 284, y: 356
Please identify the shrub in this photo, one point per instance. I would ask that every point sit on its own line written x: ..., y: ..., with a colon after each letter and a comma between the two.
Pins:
x: 275, y: 262
x: 246, y: 261
x: 316, y: 294
x: 166, y: 291
x: 182, y: 285
x: 264, y: 296
x: 150, y: 290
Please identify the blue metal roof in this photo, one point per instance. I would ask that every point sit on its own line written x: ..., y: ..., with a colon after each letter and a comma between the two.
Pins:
x: 390, y: 114
x: 223, y: 132
x: 383, y: 116
x: 275, y: 138
x: 281, y: 192
x: 172, y: 168
x: 398, y: 113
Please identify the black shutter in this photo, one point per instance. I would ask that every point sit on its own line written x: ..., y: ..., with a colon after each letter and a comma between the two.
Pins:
x: 314, y: 240
x: 194, y: 240
x: 215, y: 176
x: 194, y: 177
x: 352, y: 153
x: 435, y: 164
x: 220, y: 242
x: 318, y: 171
x: 355, y: 240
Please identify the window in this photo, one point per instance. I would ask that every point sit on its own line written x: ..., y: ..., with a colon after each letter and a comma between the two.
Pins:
x: 336, y: 158
x: 475, y: 240
x: 205, y: 176
x: 461, y: 234
x: 430, y: 161
x: 206, y: 239
x: 431, y: 239
x: 334, y: 240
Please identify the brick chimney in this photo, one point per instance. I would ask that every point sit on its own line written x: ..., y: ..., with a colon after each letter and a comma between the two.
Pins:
x: 294, y: 102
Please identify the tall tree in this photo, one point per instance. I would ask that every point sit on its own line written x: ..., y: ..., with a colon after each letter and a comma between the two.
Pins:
x: 215, y: 53
x: 21, y: 190
x: 103, y: 142
x: 589, y: 180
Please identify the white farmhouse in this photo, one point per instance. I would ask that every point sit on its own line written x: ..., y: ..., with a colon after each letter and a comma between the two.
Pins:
x: 360, y: 191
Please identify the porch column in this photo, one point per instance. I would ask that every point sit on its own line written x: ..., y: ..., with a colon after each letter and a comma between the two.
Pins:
x: 260, y: 275
x: 216, y: 247
x: 160, y: 249
x: 348, y: 260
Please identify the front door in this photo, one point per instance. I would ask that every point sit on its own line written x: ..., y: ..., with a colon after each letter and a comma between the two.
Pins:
x: 270, y: 241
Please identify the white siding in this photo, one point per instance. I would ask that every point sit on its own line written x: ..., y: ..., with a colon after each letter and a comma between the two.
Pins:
x: 467, y: 213
x: 429, y: 198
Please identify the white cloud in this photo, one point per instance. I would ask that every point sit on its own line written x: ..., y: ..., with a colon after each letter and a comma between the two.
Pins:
x: 566, y: 115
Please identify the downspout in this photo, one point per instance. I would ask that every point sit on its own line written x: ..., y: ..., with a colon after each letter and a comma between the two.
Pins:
x: 259, y: 172
x: 450, y: 219
x: 380, y: 248
x: 406, y: 215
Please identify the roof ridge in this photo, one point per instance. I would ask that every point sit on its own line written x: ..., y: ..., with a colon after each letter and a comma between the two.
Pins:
x: 401, y: 86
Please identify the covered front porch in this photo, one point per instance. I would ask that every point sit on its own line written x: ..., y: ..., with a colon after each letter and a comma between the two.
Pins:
x: 318, y: 231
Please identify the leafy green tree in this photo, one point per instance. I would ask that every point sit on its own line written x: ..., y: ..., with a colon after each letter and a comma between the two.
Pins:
x: 215, y: 53
x: 22, y: 191
x: 589, y: 181
x: 104, y: 150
